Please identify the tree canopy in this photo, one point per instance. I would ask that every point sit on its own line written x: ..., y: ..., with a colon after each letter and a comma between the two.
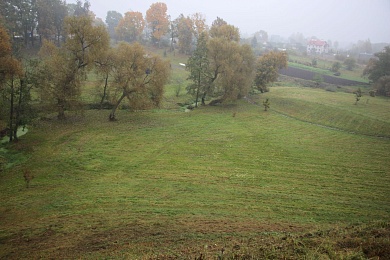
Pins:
x: 112, y: 20
x: 198, y: 66
x: 157, y: 19
x: 267, y: 68
x: 378, y: 71
x: 130, y: 26
x: 14, y: 95
x: 228, y: 72
x: 65, y: 67
x: 138, y: 76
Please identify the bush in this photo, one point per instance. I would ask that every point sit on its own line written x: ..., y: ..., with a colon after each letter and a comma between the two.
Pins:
x: 350, y: 63
x: 336, y: 67
x: 318, y: 79
x: 382, y: 86
x: 372, y: 93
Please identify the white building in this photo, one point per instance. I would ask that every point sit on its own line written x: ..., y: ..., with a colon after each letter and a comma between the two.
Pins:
x: 315, y: 46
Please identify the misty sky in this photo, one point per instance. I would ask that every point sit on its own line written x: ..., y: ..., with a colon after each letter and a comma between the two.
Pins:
x: 346, y: 21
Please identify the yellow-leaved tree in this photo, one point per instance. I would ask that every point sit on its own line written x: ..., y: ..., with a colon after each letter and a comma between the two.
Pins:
x: 130, y: 27
x: 158, y: 20
x: 138, y: 76
x: 64, y: 68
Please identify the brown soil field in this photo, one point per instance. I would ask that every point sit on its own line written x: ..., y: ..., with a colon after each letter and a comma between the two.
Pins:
x: 309, y: 75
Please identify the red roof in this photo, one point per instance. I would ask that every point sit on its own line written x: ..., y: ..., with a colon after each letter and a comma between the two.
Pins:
x: 317, y: 42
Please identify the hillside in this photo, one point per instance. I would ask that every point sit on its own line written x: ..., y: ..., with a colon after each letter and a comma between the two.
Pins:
x: 306, y: 179
x: 169, y: 184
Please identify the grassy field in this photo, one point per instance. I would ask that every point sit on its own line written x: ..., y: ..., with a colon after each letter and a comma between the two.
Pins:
x: 308, y: 179
x: 324, y: 65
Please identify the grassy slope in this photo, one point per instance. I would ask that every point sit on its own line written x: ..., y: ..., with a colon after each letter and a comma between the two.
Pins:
x: 168, y: 183
x: 324, y: 65
x: 338, y: 110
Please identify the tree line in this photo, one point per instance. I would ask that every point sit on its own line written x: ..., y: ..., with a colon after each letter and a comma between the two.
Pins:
x: 74, y: 43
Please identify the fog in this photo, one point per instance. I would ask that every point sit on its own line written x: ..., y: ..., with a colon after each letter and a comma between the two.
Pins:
x: 345, y: 21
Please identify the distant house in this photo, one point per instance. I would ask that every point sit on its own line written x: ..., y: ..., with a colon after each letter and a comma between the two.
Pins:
x: 315, y: 46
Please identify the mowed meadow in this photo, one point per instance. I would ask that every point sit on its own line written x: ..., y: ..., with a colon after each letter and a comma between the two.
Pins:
x: 310, y: 178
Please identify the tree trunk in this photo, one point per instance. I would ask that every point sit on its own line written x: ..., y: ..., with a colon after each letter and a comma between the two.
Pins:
x: 61, y: 109
x: 112, y: 114
x: 197, y: 91
x: 203, y: 98
x: 18, y: 110
x: 197, y: 97
x: 11, y: 112
x: 104, y: 91
x: 32, y: 37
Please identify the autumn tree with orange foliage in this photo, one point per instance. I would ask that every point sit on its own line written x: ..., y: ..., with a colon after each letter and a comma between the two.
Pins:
x: 130, y: 27
x: 157, y: 20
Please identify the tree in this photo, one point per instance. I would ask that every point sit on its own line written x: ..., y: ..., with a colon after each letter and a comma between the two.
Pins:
x: 10, y: 77
x: 130, y: 27
x: 64, y: 68
x: 220, y: 29
x: 382, y: 86
x: 358, y: 95
x: 254, y: 42
x: 51, y: 15
x: 261, y: 36
x: 199, y: 24
x: 297, y: 39
x: 21, y: 18
x: 378, y: 71
x: 184, y: 32
x: 112, y: 20
x: 79, y: 9
x: 104, y: 66
x: 237, y: 77
x: 138, y: 76
x: 363, y: 46
x: 267, y: 69
x: 231, y: 64
x: 173, y: 33
x: 314, y: 62
x: 350, y: 63
x: 318, y: 79
x: 216, y: 24
x: 266, y: 104
x: 198, y: 66
x: 158, y: 20
x: 336, y: 66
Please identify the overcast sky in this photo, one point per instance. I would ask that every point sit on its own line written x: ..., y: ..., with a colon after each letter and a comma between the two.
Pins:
x: 346, y: 21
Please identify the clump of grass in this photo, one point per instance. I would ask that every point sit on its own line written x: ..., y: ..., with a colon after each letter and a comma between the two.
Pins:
x: 28, y: 177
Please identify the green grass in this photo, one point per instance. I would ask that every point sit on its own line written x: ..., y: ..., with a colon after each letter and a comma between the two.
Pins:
x: 324, y: 65
x: 169, y: 183
x: 334, y: 109
x: 307, y: 179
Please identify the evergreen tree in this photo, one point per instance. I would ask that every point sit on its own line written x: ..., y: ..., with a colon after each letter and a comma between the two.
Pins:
x: 198, y: 66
